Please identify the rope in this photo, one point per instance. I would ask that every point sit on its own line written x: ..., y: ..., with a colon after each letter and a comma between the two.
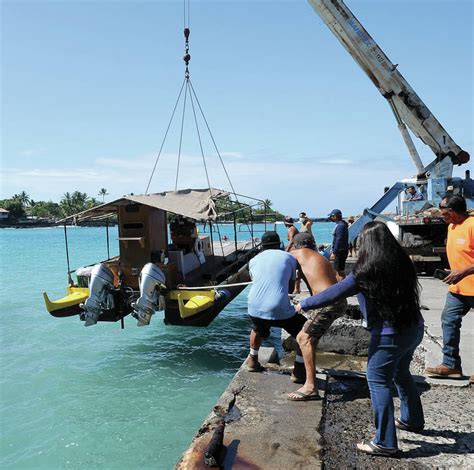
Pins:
x: 237, y: 284
x: 213, y: 140
x: 181, y: 134
x: 215, y: 147
x: 166, y: 135
x: 220, y: 239
x: 199, y: 138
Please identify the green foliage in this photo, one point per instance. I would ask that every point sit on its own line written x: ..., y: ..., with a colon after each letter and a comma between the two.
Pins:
x: 14, y: 206
x: 244, y: 213
x: 45, y: 210
x: 76, y: 202
x: 17, y: 205
x: 21, y: 205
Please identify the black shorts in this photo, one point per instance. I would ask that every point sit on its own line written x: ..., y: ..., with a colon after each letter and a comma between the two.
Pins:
x: 292, y: 325
x: 340, y: 261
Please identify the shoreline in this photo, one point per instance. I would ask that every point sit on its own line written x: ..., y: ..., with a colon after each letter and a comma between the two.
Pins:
x: 35, y: 224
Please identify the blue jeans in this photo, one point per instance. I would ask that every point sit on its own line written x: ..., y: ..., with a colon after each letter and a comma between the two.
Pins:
x: 389, y: 361
x: 455, y: 308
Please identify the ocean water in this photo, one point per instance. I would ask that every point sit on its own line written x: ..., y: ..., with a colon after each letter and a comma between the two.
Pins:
x: 101, y: 397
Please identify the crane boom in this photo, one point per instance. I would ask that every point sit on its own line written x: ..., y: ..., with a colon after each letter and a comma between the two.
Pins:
x: 407, y: 106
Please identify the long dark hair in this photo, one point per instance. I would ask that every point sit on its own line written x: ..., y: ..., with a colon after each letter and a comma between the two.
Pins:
x: 386, y: 276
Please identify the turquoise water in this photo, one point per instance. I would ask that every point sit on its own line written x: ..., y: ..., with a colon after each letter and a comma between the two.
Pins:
x: 101, y: 397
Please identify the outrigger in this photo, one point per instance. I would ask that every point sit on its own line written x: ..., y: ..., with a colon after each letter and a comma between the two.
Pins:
x: 164, y: 262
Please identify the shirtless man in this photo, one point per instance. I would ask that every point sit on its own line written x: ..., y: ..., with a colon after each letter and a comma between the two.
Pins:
x: 290, y: 229
x: 291, y: 232
x: 318, y: 275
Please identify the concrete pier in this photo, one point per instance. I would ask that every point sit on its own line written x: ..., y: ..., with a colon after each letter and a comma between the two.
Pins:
x: 266, y: 431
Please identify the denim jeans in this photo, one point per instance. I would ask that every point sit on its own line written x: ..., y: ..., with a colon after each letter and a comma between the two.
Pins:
x: 389, y: 361
x: 455, y: 308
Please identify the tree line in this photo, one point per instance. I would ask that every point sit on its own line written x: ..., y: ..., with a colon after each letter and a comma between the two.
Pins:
x: 22, y: 205
x: 243, y: 213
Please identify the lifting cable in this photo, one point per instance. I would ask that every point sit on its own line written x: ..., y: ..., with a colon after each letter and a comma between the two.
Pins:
x: 164, y: 139
x: 189, y: 89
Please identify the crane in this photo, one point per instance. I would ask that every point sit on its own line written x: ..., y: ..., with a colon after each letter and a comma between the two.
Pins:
x: 424, y: 235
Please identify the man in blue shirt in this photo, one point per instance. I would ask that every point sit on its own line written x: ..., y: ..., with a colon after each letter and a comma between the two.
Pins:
x: 340, y: 243
x: 273, y: 272
x: 412, y: 194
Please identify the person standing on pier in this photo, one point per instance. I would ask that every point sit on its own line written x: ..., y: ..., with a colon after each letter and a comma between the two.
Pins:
x: 273, y: 272
x: 318, y: 275
x: 340, y: 243
x: 306, y: 223
x: 460, y: 297
x: 385, y: 281
x: 291, y: 230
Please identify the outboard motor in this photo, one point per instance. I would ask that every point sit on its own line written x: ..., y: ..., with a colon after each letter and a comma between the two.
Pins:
x: 100, y: 295
x: 152, y: 282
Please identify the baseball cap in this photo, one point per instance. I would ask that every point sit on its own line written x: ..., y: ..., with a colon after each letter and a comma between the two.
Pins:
x: 335, y: 212
x: 270, y: 238
x: 288, y: 220
x: 304, y: 240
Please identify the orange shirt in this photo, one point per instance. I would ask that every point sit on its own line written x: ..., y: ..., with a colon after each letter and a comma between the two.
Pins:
x: 460, y: 250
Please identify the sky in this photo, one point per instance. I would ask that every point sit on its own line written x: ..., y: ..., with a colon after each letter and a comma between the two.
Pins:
x: 88, y: 88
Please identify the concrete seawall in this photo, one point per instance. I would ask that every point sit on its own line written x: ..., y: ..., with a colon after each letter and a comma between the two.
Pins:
x: 264, y: 430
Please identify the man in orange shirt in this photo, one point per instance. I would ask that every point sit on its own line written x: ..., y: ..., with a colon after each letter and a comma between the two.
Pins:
x: 460, y: 298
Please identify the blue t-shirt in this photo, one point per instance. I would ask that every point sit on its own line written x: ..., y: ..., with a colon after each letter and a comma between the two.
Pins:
x: 271, y: 272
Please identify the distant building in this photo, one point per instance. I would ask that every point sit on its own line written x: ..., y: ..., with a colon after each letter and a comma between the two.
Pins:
x: 4, y: 214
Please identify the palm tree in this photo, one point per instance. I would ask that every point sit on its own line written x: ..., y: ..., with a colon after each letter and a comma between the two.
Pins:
x: 103, y: 192
x: 66, y: 205
x: 267, y: 204
x: 22, y: 199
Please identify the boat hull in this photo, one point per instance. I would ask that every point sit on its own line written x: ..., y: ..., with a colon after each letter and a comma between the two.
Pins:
x: 183, y: 307
x: 205, y: 317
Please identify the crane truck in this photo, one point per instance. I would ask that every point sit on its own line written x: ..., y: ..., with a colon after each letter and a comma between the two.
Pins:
x: 418, y: 225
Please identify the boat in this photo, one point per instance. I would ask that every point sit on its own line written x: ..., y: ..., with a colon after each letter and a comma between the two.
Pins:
x: 165, y: 263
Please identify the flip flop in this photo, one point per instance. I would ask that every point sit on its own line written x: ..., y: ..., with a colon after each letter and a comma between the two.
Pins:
x: 301, y: 396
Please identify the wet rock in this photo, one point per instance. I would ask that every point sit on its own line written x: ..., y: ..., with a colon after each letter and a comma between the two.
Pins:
x: 345, y: 336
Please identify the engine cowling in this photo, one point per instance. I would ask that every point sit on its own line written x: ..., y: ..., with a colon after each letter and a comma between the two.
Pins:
x: 100, y: 297
x: 152, y: 281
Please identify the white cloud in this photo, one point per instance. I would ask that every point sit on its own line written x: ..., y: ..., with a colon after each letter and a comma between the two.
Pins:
x: 31, y: 152
x: 337, y: 161
x: 51, y: 173
x: 314, y: 185
x: 231, y: 155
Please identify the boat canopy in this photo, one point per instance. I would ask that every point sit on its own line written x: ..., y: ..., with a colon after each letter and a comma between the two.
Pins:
x: 196, y: 204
